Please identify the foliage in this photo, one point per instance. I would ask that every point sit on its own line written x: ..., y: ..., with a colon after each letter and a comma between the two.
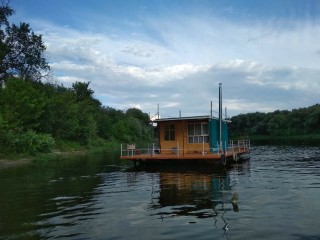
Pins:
x: 136, y: 113
x: 33, y: 114
x: 21, y: 104
x: 25, y: 142
x: 301, y: 121
x: 21, y: 50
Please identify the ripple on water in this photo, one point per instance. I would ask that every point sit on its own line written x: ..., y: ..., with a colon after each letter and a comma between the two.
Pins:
x: 277, y: 188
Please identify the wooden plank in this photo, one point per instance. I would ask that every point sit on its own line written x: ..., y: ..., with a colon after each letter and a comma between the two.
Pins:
x: 190, y: 156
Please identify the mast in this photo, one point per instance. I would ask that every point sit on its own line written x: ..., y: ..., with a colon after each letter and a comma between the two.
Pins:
x: 220, y: 115
x: 225, y: 113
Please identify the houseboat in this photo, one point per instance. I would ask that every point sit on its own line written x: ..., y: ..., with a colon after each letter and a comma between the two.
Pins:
x: 202, y: 139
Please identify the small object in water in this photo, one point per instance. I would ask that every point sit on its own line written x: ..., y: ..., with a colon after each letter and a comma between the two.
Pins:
x: 226, y: 227
x: 234, y: 202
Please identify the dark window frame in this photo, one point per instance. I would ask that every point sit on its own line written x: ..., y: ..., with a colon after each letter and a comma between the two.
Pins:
x: 198, y: 132
x: 169, y: 132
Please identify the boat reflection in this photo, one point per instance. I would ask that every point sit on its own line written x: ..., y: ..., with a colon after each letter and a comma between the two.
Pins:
x: 195, y: 192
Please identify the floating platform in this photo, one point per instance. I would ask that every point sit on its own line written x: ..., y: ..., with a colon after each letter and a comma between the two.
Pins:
x: 154, y: 155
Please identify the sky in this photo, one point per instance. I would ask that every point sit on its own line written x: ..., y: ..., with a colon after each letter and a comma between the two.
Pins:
x: 141, y: 53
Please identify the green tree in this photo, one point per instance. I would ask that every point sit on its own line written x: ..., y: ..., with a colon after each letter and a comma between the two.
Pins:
x: 312, y: 123
x: 21, y: 104
x: 279, y: 123
x: 62, y: 114
x: 88, y: 110
x: 21, y: 50
x: 138, y: 114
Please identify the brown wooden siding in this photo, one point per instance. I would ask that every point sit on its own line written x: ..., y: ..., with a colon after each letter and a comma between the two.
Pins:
x: 181, y: 139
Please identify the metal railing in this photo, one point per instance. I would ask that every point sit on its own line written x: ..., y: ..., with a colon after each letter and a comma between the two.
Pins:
x: 152, y: 149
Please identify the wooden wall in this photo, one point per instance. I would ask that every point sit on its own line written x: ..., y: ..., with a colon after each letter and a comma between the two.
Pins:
x: 181, y: 139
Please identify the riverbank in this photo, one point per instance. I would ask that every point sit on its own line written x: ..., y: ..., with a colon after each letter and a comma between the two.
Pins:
x: 62, y: 151
x: 315, y: 137
x: 19, y: 160
x: 5, y: 163
x: 310, y: 139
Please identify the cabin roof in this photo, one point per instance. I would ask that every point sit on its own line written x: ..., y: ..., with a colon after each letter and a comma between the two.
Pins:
x: 191, y: 118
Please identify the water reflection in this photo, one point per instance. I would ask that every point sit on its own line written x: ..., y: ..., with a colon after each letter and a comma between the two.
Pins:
x: 44, y: 199
x: 195, y: 192
x: 101, y: 197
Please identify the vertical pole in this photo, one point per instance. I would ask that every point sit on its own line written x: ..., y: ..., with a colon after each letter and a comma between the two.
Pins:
x: 158, y: 111
x: 225, y: 113
x: 232, y: 145
x: 131, y: 149
x: 225, y: 147
x: 220, y: 114
x: 211, y: 110
x: 178, y: 149
x: 202, y: 145
x: 152, y: 149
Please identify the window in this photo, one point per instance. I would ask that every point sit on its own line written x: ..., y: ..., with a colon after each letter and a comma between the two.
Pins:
x: 198, y: 133
x: 169, y: 132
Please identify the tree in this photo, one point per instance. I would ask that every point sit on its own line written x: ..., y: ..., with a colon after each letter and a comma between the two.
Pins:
x: 21, y: 104
x: 138, y: 114
x: 88, y: 109
x: 21, y: 50
x: 61, y: 114
x: 279, y: 123
x: 82, y: 91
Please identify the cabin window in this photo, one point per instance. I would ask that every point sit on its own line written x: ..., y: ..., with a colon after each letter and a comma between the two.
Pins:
x: 169, y: 132
x: 198, y: 133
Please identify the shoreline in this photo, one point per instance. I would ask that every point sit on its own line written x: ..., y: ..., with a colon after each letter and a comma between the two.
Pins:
x: 4, y: 163
x: 20, y: 161
x: 8, y: 162
x: 309, y: 137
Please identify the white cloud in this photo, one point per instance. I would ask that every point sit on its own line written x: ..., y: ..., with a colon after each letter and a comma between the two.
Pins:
x: 70, y: 79
x: 72, y: 67
x: 262, y: 67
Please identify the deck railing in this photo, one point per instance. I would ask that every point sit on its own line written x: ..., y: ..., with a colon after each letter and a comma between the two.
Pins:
x: 153, y: 149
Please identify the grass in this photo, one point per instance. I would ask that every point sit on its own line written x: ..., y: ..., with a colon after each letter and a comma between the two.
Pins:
x: 65, y: 149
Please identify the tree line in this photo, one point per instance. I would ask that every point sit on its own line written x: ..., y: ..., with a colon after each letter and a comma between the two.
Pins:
x: 36, y: 115
x: 302, y: 121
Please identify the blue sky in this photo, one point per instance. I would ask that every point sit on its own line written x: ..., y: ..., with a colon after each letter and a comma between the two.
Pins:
x: 174, y: 53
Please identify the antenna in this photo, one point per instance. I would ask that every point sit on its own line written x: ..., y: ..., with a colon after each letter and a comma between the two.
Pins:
x: 158, y: 112
x: 220, y: 115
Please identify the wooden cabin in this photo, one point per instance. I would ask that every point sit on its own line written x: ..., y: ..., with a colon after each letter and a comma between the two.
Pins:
x: 190, y: 134
x: 188, y: 138
x: 200, y: 138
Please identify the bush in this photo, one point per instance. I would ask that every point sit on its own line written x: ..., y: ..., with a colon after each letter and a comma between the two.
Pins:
x: 28, y: 142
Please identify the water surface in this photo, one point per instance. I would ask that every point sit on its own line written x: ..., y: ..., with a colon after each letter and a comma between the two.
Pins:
x: 100, y: 197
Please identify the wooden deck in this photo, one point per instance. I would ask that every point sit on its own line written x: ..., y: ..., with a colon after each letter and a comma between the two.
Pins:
x: 232, y: 155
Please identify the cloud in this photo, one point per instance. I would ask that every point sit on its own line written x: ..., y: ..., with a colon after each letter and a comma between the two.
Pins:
x: 263, y: 67
x: 137, y: 51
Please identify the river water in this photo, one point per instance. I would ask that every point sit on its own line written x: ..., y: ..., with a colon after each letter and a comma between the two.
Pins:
x: 101, y: 197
